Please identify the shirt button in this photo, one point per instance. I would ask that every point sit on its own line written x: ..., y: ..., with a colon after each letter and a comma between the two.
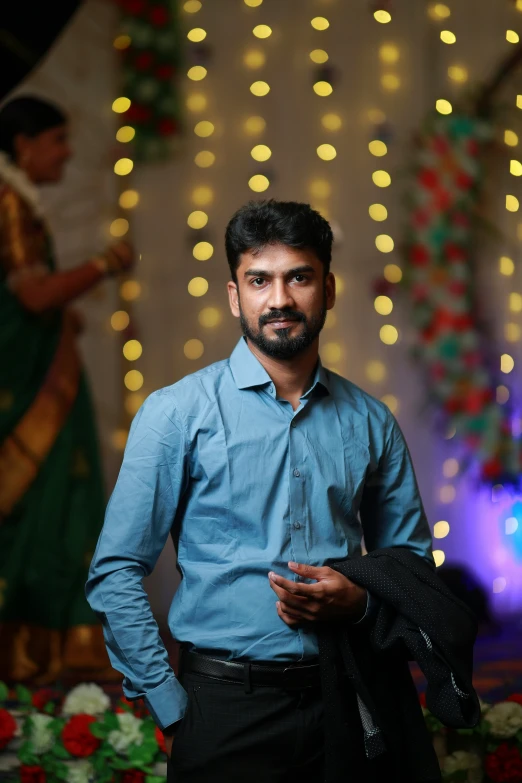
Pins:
x: 293, y: 424
x: 297, y: 525
x: 271, y: 388
x: 296, y: 473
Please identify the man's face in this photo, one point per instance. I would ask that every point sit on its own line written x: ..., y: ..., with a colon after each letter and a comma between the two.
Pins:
x: 281, y: 299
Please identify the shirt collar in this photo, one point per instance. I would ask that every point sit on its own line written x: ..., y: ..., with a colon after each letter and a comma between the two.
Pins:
x: 248, y: 371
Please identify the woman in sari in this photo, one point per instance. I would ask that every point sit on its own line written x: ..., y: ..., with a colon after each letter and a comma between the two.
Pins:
x: 51, y: 490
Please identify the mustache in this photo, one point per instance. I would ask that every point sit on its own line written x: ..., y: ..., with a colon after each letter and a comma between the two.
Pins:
x: 281, y: 315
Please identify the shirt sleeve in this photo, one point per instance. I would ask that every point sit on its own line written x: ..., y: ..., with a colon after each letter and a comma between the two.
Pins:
x: 137, y: 523
x: 391, y: 509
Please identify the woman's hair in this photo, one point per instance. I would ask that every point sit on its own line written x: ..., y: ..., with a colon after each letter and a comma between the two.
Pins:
x: 29, y: 116
x: 262, y: 223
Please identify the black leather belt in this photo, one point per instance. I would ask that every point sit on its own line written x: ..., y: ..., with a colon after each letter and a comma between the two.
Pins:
x: 277, y: 675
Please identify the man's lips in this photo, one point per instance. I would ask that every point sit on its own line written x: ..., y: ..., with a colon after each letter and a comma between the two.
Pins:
x: 282, y: 322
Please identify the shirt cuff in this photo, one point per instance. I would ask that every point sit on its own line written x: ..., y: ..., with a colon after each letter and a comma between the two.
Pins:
x: 167, y: 703
x: 371, y: 608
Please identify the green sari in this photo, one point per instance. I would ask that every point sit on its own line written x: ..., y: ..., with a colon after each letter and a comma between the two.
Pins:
x: 51, y: 488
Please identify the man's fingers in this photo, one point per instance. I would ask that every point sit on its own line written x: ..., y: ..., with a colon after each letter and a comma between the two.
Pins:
x: 289, y: 619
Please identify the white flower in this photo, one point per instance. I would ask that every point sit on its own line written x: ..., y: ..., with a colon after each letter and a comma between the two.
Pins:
x: 41, y: 737
x: 88, y: 699
x: 80, y: 772
x: 129, y: 732
x: 505, y: 719
x: 484, y: 706
x: 462, y: 760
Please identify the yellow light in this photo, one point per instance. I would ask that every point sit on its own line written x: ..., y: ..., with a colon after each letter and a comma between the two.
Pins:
x: 254, y: 125
x: 130, y: 290
x: 512, y: 36
x: 331, y: 121
x: 376, y: 116
x: 120, y: 320
x: 515, y: 303
x: 512, y: 332
x: 450, y: 468
x: 447, y: 494
x: 192, y: 6
x: 512, y: 204
x: 393, y: 273
x: 457, y: 73
x: 254, y: 58
x: 193, y: 349
x: 519, y: 5
x: 261, y: 152
x: 202, y: 196
x: 253, y: 3
x: 510, y: 138
x: 339, y: 284
x: 262, y: 31
x: 204, y: 129
x: 258, y: 183
x: 515, y: 168
x: 210, y: 317
x: 196, y: 102
x: 198, y: 286
x: 381, y: 178
x: 384, y: 243
x: 133, y: 402
x: 389, y: 53
x: 439, y: 557
x: 376, y: 371
x: 123, y: 166
x: 122, y: 42
x: 260, y: 88
x: 331, y: 352
x: 506, y: 266
x: 204, y: 159
x: 129, y: 199
x: 441, y: 529
x: 197, y: 73
x: 119, y: 227
x: 506, y: 363
x: 383, y: 17
x: 203, y: 251
x: 331, y: 320
x: 392, y: 402
x: 378, y: 148
x: 197, y: 219
x: 318, y: 56
x: 132, y: 350
x: 383, y: 305
x: 502, y: 395
x: 320, y: 188
x: 125, y: 134
x: 390, y: 81
x: 378, y: 212
x: 388, y: 334
x: 323, y: 89
x: 119, y: 439
x: 121, y: 105
x: 447, y: 37
x: 133, y: 380
x: 197, y: 34
x: 326, y: 151
x: 443, y: 106
x: 499, y: 584
x: 519, y: 101
x: 320, y: 23
x: 439, y: 11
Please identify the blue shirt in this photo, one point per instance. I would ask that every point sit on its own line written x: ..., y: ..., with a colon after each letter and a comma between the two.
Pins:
x: 244, y: 484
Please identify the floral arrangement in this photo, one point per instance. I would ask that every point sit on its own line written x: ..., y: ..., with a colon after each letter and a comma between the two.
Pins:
x: 149, y: 45
x: 78, y: 739
x: 494, y: 747
x: 439, y: 246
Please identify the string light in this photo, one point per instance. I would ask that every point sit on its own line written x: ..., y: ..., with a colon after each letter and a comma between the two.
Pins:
x: 381, y: 178
x: 515, y: 303
x: 260, y: 88
x: 383, y: 305
x: 384, y: 243
x: 515, y: 168
x: 376, y: 371
x: 512, y: 203
x: 204, y: 128
x: 197, y: 34
x: 519, y: 101
x: 254, y: 126
x: 133, y: 380
x: 511, y: 525
x: 129, y: 199
x: 120, y: 320
x: 331, y: 352
x: 197, y: 73
x: 119, y: 227
x: 507, y: 363
x: 378, y: 212
x: 502, y: 394
x: 438, y: 557
x: 261, y: 152
x: 457, y: 73
x: 130, y: 290
x: 443, y: 106
x: 512, y: 36
x: 204, y: 159
x: 450, y: 468
x: 198, y: 286
x: 122, y: 42
x: 192, y: 6
x: 447, y: 494
x: 254, y: 59
x: 210, y: 317
x: 512, y: 332
x: 388, y: 334
x: 383, y: 17
x: 439, y: 11
x: 377, y: 148
x: 323, y: 89
x: 196, y: 102
x: 193, y: 349
x: 132, y: 350
x: 197, y: 219
x: 121, y: 105
x: 393, y: 273
x: 320, y: 188
x: 510, y: 138
x: 499, y: 584
x: 253, y: 3
x: 331, y: 121
x: 326, y: 151
x: 262, y: 31
x: 506, y: 266
x: 318, y: 56
x: 320, y: 23
x: 447, y: 37
x: 389, y: 54
x: 441, y: 529
x: 258, y: 183
x: 392, y: 402
x: 331, y: 320
x: 125, y: 134
x: 123, y: 166
x: 203, y: 251
x: 390, y: 81
x: 202, y: 195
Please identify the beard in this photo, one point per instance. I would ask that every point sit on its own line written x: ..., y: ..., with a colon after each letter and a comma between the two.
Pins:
x: 284, y: 345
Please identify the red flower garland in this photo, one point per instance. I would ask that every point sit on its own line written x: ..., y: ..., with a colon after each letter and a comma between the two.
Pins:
x: 505, y: 764
x: 77, y: 738
x: 132, y: 776
x: 160, y: 739
x: 32, y: 774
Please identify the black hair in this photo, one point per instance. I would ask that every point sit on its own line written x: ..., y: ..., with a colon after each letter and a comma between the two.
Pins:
x: 29, y: 116
x: 262, y: 223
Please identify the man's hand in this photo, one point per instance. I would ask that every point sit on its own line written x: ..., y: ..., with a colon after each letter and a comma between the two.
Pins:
x: 332, y: 597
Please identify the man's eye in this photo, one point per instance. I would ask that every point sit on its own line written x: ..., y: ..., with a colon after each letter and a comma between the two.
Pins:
x: 300, y: 278
x: 258, y: 280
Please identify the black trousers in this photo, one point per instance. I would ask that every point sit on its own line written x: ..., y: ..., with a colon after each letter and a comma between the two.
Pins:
x: 230, y: 735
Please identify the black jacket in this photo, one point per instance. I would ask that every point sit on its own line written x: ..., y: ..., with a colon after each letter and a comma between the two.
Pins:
x: 374, y: 727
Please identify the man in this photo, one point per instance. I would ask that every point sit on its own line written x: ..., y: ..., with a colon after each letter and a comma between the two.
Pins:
x: 259, y: 467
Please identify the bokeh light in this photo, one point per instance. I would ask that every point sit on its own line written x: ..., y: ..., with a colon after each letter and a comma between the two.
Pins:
x: 512, y: 203
x: 121, y: 105
x: 262, y: 31
x: 254, y: 58
x: 120, y: 320
x: 439, y: 557
x: 132, y: 350
x: 392, y: 402
x: 323, y: 89
x: 388, y: 334
x: 193, y: 349
x: 197, y: 73
x: 129, y: 199
x: 507, y: 363
x: 331, y: 352
x: 133, y: 380
x: 381, y: 178
x: 260, y: 88
x: 261, y: 152
x: 123, y: 166
x: 331, y: 121
x: 125, y: 134
x: 383, y: 305
x: 506, y: 266
x: 378, y: 212
x: 393, y: 273
x: 119, y: 227
x: 130, y: 290
x: 447, y: 37
x: 204, y: 128
x: 377, y: 148
x: 384, y: 243
x: 376, y: 371
x: 202, y: 195
x: 254, y: 125
x: 326, y: 151
x: 197, y: 219
x: 320, y: 23
x: 198, y: 286
x: 318, y: 56
x: 258, y: 183
x: 197, y: 34
x: 202, y: 251
x: 196, y: 102
x: 210, y: 317
x: 441, y: 529
x: 205, y: 159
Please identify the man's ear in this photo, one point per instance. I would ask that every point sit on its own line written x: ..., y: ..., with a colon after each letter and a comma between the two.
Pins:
x: 233, y: 298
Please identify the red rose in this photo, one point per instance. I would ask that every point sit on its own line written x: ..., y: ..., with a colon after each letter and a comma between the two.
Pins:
x: 159, y: 16
x: 7, y: 728
x: 516, y: 697
x: 44, y: 696
x: 77, y: 737
x: 164, y: 72
x: 505, y: 764
x: 132, y: 776
x: 143, y: 61
x: 419, y: 255
x: 428, y: 178
x: 160, y: 739
x: 463, y: 180
x: 166, y: 127
x: 32, y: 774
